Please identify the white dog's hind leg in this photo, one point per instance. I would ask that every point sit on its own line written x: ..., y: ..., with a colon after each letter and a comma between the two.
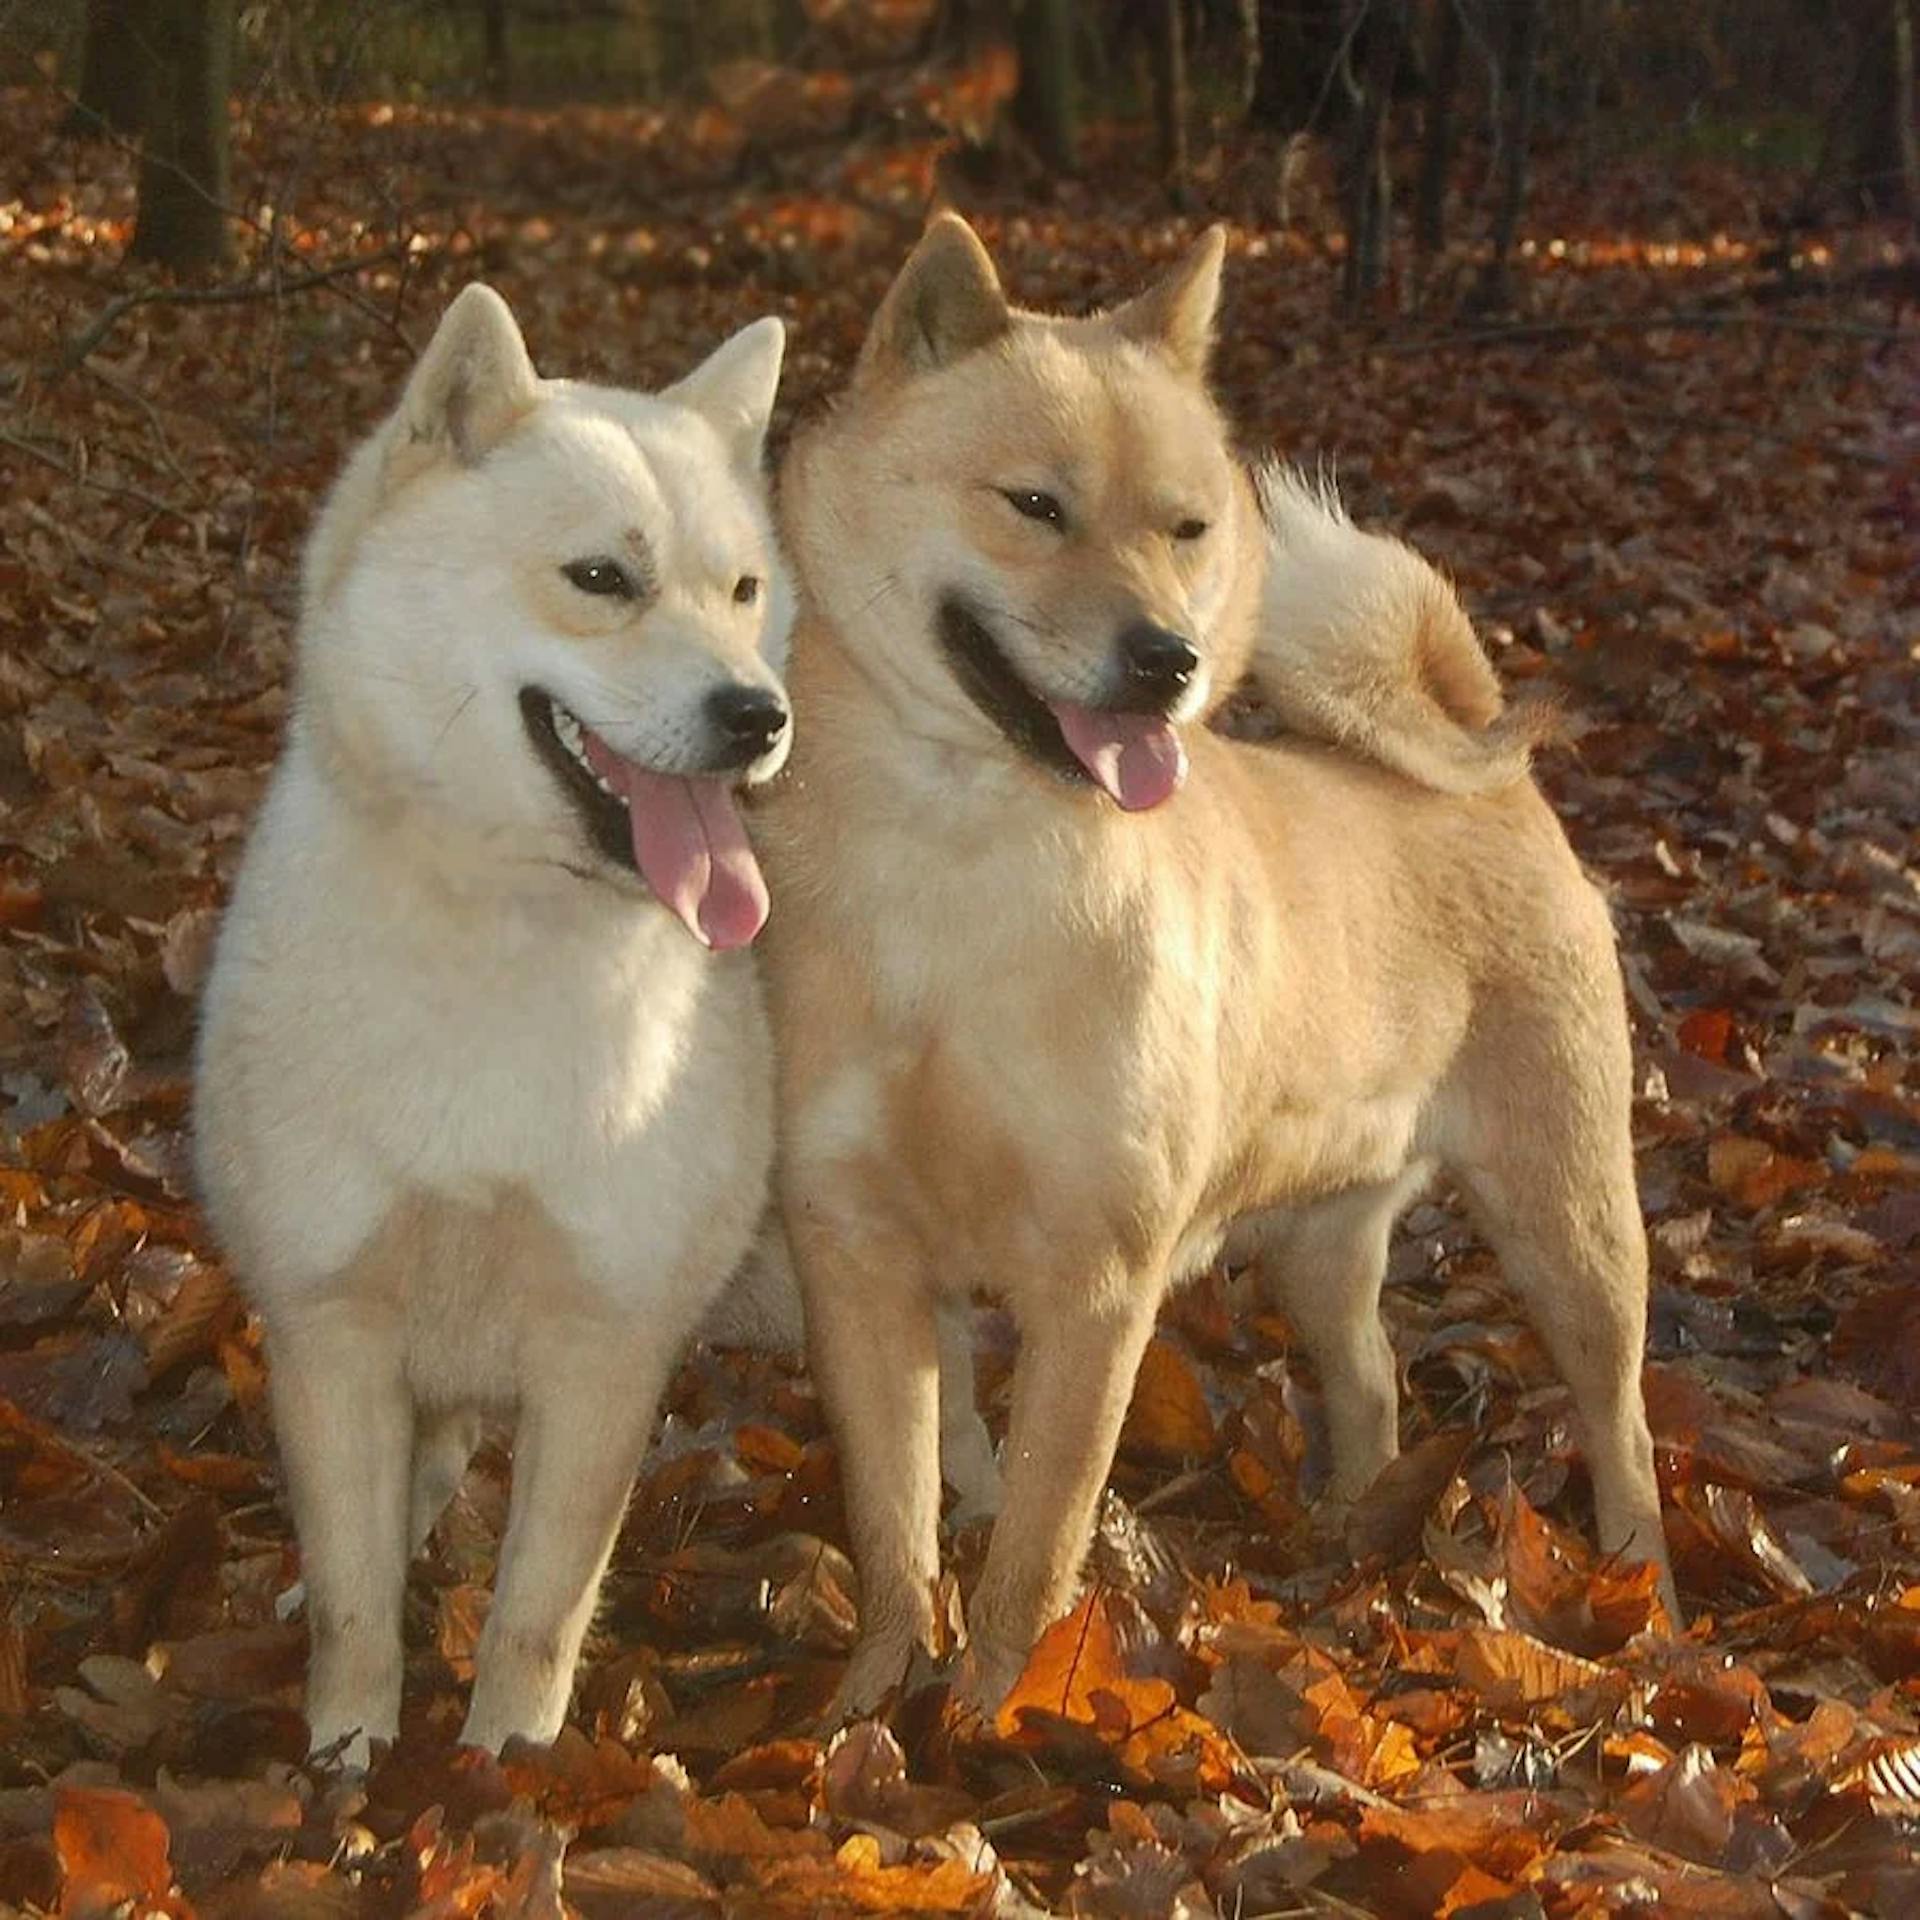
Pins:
x: 443, y: 1444
x: 761, y: 1309
x: 345, y: 1423
x: 967, y: 1461
x: 583, y: 1427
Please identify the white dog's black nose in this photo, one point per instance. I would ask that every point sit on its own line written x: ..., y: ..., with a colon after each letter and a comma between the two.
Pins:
x: 1159, y: 665
x: 748, y: 721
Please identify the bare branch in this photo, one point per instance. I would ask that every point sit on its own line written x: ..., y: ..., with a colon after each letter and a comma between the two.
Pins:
x: 272, y: 288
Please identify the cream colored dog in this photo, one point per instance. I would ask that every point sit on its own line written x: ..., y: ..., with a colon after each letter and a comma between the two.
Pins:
x: 485, y: 1101
x: 1066, y: 988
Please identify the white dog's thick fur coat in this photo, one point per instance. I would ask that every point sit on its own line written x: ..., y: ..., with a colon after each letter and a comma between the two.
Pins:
x: 481, y: 1123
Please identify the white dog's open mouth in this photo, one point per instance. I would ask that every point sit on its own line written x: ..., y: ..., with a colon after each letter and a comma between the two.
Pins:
x: 680, y: 832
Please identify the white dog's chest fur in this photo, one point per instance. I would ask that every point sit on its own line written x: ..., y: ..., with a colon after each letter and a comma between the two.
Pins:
x: 480, y: 1116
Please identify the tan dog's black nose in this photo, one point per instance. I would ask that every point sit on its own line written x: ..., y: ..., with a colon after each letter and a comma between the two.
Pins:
x: 1159, y: 666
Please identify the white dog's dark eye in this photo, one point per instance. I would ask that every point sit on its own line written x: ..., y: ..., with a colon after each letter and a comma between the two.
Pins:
x: 746, y: 590
x: 1189, y: 529
x: 600, y: 575
x: 1036, y: 506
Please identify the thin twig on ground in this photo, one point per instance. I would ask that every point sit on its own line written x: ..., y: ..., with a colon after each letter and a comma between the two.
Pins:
x: 273, y: 288
x: 48, y: 458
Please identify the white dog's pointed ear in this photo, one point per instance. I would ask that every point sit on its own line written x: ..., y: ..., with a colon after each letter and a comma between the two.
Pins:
x: 945, y: 302
x: 1175, y: 314
x: 474, y: 383
x: 732, y: 389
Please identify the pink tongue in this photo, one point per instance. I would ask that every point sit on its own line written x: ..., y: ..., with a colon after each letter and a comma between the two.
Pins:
x: 690, y: 846
x: 1137, y: 757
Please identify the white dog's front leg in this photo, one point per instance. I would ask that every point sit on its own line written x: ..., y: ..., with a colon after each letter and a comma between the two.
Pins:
x: 584, y: 1422
x: 345, y: 1425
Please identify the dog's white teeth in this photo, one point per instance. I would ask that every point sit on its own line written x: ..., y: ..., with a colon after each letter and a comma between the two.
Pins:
x: 568, y: 731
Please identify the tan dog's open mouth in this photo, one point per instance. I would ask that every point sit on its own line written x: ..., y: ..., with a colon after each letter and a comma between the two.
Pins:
x: 1136, y: 758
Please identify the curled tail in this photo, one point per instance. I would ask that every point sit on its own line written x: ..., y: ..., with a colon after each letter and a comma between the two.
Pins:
x: 1365, y: 646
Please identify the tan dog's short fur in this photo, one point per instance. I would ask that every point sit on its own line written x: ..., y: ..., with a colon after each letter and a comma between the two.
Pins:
x: 1033, y: 1044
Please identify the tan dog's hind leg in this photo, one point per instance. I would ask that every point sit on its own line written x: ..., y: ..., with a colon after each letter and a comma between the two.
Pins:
x: 1071, y: 1387
x: 583, y: 1427
x: 1325, y: 1264
x: 874, y: 1349
x: 1553, y: 1190
x: 345, y: 1423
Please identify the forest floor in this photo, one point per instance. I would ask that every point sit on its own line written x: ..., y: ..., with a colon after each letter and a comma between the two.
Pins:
x: 1682, y: 495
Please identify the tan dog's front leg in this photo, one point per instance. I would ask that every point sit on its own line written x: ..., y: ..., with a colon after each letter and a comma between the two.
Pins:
x: 873, y: 1347
x: 584, y: 1423
x: 1070, y: 1392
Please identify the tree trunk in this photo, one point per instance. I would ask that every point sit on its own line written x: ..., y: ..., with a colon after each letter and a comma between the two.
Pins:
x: 1906, y: 139
x: 499, y: 63
x: 182, y: 219
x: 1170, y: 94
x: 1297, y: 53
x: 1246, y: 27
x: 1436, y: 158
x: 1365, y: 181
x: 111, y: 97
x: 1494, y: 292
x: 1045, y: 105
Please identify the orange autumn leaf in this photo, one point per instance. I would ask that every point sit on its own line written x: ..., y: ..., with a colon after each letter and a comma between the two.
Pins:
x: 1168, y: 1416
x: 113, y: 1849
x: 1708, y: 1032
x: 854, y: 1880
x: 1075, y: 1659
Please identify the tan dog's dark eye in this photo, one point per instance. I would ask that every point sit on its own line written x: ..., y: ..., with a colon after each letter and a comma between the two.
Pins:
x: 1189, y: 529
x: 1032, y: 505
x: 746, y: 590
x: 607, y: 578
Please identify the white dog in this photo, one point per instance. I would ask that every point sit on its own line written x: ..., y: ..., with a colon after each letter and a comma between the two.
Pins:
x: 484, y: 1091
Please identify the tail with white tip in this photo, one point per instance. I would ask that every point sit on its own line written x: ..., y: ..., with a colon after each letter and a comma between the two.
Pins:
x: 1364, y: 645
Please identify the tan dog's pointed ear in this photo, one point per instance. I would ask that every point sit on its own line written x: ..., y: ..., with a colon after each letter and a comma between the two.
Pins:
x: 474, y: 383
x: 1176, y: 313
x: 944, y: 303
